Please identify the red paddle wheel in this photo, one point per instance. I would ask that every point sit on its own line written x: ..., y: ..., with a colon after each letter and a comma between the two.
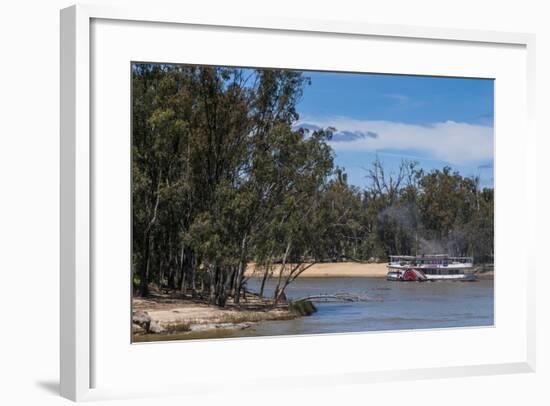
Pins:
x: 410, y: 275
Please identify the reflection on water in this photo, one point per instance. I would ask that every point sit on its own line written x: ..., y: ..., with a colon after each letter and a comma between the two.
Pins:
x: 392, y: 306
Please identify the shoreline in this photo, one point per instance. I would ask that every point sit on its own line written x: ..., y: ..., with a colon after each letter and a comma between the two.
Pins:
x: 347, y: 270
x: 331, y: 270
x: 171, y: 316
x: 162, y: 316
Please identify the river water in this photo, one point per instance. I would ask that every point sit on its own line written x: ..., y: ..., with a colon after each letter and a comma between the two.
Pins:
x: 388, y: 306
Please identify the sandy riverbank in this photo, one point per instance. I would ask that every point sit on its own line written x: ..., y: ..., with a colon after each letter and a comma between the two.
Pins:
x: 172, y: 315
x: 333, y: 270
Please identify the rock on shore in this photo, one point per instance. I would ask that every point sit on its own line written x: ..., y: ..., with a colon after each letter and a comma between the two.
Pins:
x: 142, y: 320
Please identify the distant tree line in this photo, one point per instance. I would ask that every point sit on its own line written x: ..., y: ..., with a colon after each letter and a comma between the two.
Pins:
x: 220, y: 179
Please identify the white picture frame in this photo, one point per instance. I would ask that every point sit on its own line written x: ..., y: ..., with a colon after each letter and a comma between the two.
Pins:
x: 77, y: 283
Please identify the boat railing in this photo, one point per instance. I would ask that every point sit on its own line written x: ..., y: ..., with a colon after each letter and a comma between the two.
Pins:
x: 430, y: 259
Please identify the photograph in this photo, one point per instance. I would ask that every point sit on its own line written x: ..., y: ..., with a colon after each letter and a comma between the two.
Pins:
x: 228, y: 203
x: 277, y: 202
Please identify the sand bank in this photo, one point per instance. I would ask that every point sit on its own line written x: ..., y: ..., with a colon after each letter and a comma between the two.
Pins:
x: 333, y: 270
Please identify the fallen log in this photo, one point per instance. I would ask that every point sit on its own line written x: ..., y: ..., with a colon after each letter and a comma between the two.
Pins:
x: 343, y: 297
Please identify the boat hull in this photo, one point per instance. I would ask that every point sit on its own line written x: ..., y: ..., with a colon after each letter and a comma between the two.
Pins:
x: 393, y: 276
x: 396, y: 276
x: 431, y: 268
x: 459, y: 277
x: 430, y: 274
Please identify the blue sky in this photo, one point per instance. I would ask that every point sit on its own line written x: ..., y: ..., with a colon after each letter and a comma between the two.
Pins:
x: 432, y: 120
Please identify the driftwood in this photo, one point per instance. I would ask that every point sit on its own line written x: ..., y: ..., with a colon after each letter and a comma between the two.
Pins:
x: 338, y: 297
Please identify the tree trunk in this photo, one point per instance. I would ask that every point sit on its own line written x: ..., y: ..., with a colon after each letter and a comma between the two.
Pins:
x: 182, y: 272
x: 193, y: 278
x: 213, y: 273
x: 264, y: 280
x: 161, y: 274
x: 278, y: 291
x: 240, y: 271
x: 144, y: 271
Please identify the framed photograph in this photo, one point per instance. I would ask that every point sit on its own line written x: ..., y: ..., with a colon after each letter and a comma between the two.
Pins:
x: 336, y: 200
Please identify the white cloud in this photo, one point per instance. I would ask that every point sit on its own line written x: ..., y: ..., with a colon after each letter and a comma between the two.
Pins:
x: 456, y: 143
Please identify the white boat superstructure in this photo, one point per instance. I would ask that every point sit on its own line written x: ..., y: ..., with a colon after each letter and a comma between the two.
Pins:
x: 430, y: 267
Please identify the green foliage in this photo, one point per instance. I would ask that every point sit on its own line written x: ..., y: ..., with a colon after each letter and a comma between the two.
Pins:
x: 303, y: 307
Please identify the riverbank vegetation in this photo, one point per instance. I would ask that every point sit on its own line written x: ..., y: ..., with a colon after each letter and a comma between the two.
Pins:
x: 221, y: 178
